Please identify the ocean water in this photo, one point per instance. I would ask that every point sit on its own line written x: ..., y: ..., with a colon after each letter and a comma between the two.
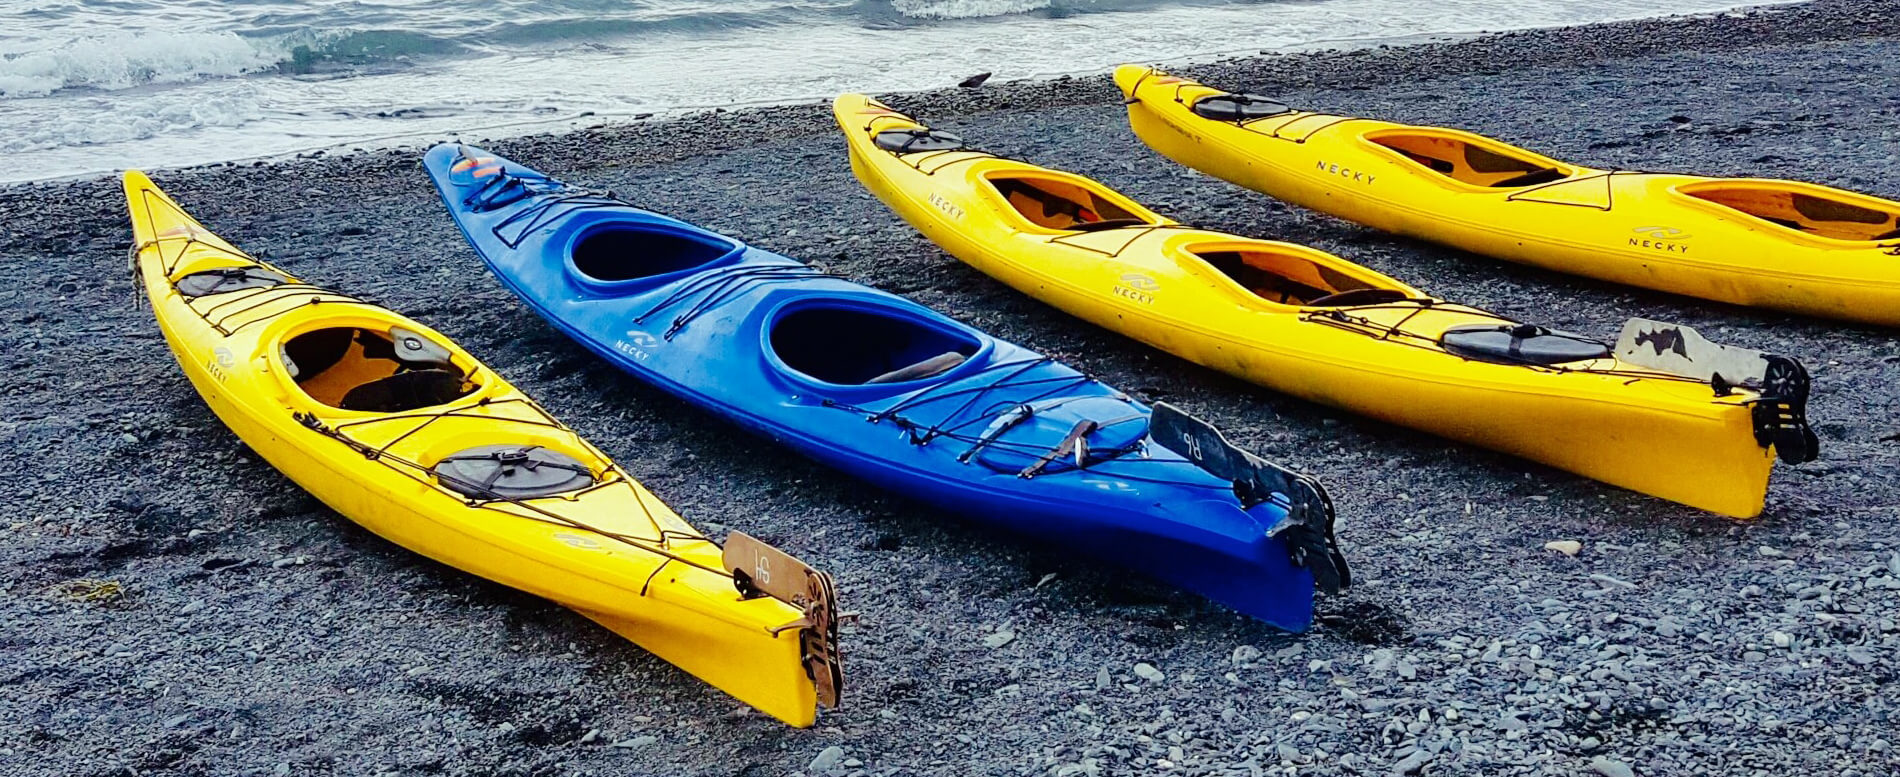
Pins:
x: 88, y: 86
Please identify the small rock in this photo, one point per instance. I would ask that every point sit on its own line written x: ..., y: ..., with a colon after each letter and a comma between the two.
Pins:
x: 1782, y: 639
x: 1769, y: 552
x: 974, y: 81
x: 1411, y: 764
x: 827, y: 760
x: 1611, y: 582
x: 999, y: 639
x: 589, y: 737
x: 1103, y: 679
x: 1567, y: 547
x: 1148, y: 672
x: 1610, y: 767
x: 1246, y: 654
x: 639, y: 741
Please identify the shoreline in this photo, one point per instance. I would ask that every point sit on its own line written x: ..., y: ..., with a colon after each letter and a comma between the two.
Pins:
x: 956, y: 101
x: 260, y: 633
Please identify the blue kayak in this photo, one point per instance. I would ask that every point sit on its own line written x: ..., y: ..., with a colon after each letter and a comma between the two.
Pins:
x: 889, y: 391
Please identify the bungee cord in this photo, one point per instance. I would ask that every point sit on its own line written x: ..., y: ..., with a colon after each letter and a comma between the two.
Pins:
x: 1395, y: 333
x: 719, y: 286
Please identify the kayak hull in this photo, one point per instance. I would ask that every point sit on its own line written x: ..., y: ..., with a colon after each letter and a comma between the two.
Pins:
x: 1691, y: 235
x: 1623, y: 425
x: 611, y: 550
x: 728, y: 332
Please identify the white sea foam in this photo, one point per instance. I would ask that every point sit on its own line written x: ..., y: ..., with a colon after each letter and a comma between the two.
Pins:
x: 125, y: 60
x: 966, y: 9
x: 160, y: 115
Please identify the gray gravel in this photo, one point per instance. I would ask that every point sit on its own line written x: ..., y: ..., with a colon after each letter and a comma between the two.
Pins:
x: 255, y: 632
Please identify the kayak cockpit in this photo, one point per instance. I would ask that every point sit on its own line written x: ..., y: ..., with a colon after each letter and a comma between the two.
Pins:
x: 1289, y: 276
x: 843, y: 344
x: 390, y: 370
x: 1471, y: 160
x: 1805, y: 208
x: 1053, y: 201
x: 617, y: 253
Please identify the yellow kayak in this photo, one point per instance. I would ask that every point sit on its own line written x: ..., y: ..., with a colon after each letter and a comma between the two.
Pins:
x: 1692, y: 422
x: 392, y: 425
x: 1785, y: 245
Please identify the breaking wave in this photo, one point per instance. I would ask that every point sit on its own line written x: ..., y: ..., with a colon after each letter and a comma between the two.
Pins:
x: 126, y: 60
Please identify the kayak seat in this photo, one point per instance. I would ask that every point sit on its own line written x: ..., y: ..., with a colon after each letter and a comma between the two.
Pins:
x: 1288, y: 278
x: 1487, y: 164
x: 405, y: 391
x: 1533, y: 178
x: 1839, y: 218
x: 1434, y: 163
x: 928, y: 368
x: 624, y: 252
x: 361, y: 369
x: 1519, y: 344
x: 850, y: 345
x: 1053, y: 204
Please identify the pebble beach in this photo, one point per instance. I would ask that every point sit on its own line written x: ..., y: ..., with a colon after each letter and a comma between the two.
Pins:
x: 174, y: 606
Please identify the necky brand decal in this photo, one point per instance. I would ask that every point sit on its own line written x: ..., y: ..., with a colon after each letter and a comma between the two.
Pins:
x: 1665, y: 239
x: 1138, y: 281
x: 220, y: 361
x: 578, y: 542
x: 638, y: 345
x: 949, y: 208
x: 1356, y: 176
x: 1137, y: 287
